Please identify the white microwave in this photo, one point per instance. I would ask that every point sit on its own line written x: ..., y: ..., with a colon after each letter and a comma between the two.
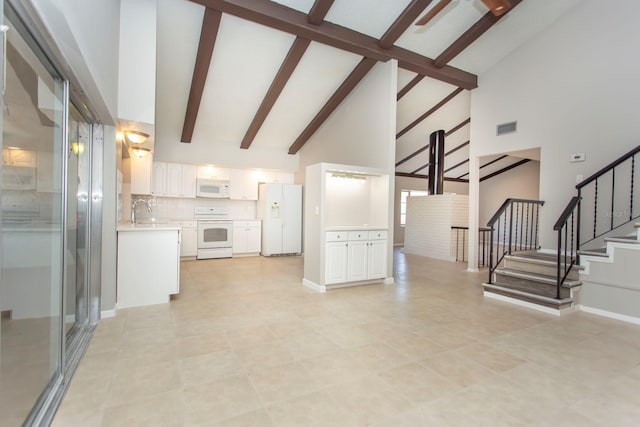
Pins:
x: 212, y: 188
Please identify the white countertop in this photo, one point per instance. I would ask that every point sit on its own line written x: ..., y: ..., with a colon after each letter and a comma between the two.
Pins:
x: 148, y: 227
x: 353, y: 228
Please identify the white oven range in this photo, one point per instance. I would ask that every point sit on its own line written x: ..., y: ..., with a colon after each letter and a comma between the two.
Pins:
x: 215, y: 232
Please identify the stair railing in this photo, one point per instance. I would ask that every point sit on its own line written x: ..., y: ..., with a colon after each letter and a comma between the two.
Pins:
x: 514, y: 228
x: 611, y: 197
x: 567, y: 227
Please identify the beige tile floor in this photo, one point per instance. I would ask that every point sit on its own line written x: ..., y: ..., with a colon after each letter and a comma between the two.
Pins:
x: 246, y: 345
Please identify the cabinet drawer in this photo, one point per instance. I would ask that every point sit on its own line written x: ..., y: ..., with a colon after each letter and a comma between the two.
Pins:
x: 337, y: 236
x: 358, y: 235
x: 246, y: 223
x: 189, y: 224
x: 378, y: 235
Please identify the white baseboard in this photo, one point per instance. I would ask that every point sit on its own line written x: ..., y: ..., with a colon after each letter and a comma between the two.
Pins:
x: 389, y: 281
x: 105, y: 314
x: 611, y: 315
x: 532, y: 306
x: 314, y: 286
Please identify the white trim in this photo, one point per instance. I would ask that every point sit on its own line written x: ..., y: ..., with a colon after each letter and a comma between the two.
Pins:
x: 611, y: 315
x: 314, y: 286
x: 389, y: 281
x: 105, y: 314
x: 532, y: 306
x: 473, y: 270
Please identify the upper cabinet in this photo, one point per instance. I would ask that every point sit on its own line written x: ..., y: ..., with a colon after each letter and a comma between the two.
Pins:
x: 244, y: 184
x: 278, y: 177
x: 140, y: 174
x: 174, y: 180
x: 213, y: 172
x: 18, y: 157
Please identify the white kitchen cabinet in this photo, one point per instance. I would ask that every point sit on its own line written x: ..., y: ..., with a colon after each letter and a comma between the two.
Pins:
x: 247, y: 237
x: 174, y: 180
x: 159, y: 179
x: 18, y: 157
x: 336, y: 262
x: 148, y: 265
x: 243, y: 184
x: 140, y: 174
x: 377, y: 255
x: 189, y: 243
x: 213, y: 172
x: 353, y: 256
x: 277, y: 177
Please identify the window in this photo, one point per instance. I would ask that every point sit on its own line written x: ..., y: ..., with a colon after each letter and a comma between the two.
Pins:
x: 404, y: 194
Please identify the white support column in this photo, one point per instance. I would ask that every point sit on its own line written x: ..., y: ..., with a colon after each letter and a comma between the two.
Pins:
x: 474, y: 207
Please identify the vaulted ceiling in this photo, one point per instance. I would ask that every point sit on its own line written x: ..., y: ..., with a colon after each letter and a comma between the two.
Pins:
x: 260, y: 73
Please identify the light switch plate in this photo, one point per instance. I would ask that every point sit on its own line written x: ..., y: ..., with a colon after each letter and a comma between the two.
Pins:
x: 577, y: 157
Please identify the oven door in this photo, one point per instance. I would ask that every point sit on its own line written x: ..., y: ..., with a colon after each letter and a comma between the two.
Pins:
x: 212, y: 234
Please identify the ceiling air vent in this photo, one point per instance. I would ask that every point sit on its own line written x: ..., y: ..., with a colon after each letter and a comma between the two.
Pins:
x: 506, y: 128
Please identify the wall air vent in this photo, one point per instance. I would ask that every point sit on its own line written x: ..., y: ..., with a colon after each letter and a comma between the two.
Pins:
x: 506, y: 128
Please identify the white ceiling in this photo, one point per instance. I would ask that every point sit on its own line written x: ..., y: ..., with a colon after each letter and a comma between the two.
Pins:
x: 247, y: 57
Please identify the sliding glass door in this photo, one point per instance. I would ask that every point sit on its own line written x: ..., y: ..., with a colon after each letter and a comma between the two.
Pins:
x: 32, y: 226
x: 50, y: 219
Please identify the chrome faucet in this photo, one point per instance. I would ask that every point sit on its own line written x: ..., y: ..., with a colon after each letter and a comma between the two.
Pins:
x: 133, y: 208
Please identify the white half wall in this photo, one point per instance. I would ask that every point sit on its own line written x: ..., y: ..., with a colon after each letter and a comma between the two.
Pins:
x: 571, y: 91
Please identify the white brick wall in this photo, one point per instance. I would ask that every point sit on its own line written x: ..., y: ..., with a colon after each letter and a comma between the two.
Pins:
x: 429, y: 221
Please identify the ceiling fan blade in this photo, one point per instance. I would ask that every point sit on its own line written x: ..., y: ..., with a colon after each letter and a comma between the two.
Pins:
x: 433, y: 12
x: 498, y: 7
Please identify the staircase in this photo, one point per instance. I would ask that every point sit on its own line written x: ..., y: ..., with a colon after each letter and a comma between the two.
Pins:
x: 519, y: 272
x: 531, y: 277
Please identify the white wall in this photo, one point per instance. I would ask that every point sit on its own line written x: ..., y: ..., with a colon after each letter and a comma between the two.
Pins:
x: 137, y: 61
x: 87, y: 34
x: 521, y: 182
x: 571, y: 90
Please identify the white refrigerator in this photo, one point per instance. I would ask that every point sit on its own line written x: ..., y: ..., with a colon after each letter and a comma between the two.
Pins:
x: 280, y: 209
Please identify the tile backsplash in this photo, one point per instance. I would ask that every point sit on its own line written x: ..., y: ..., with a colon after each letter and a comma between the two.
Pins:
x: 177, y: 208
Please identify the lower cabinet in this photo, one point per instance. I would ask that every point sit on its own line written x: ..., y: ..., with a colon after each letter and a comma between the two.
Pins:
x: 352, y: 256
x: 189, y: 243
x: 247, y: 237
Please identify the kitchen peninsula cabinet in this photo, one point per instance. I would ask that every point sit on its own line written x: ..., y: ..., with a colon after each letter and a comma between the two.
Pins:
x: 148, y: 264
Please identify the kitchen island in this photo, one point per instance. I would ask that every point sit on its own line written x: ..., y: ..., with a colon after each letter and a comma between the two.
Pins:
x: 148, y: 264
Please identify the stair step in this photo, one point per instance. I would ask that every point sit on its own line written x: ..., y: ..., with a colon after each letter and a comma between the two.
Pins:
x: 501, y: 289
x: 601, y: 252
x: 623, y: 239
x: 536, y: 277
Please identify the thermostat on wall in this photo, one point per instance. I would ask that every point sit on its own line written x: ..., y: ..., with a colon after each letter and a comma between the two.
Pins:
x: 577, y: 157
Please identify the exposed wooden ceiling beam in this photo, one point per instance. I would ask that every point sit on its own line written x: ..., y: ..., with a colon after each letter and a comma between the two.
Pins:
x: 453, y: 150
x: 409, y: 86
x: 457, y: 127
x: 208, y: 34
x: 412, y: 155
x: 403, y: 22
x: 505, y: 169
x: 456, y: 165
x: 420, y: 168
x: 433, y: 12
x: 415, y: 175
x: 291, y: 21
x: 479, y: 28
x: 319, y: 11
x: 358, y: 73
x: 287, y: 68
x: 430, y: 112
x: 487, y: 164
